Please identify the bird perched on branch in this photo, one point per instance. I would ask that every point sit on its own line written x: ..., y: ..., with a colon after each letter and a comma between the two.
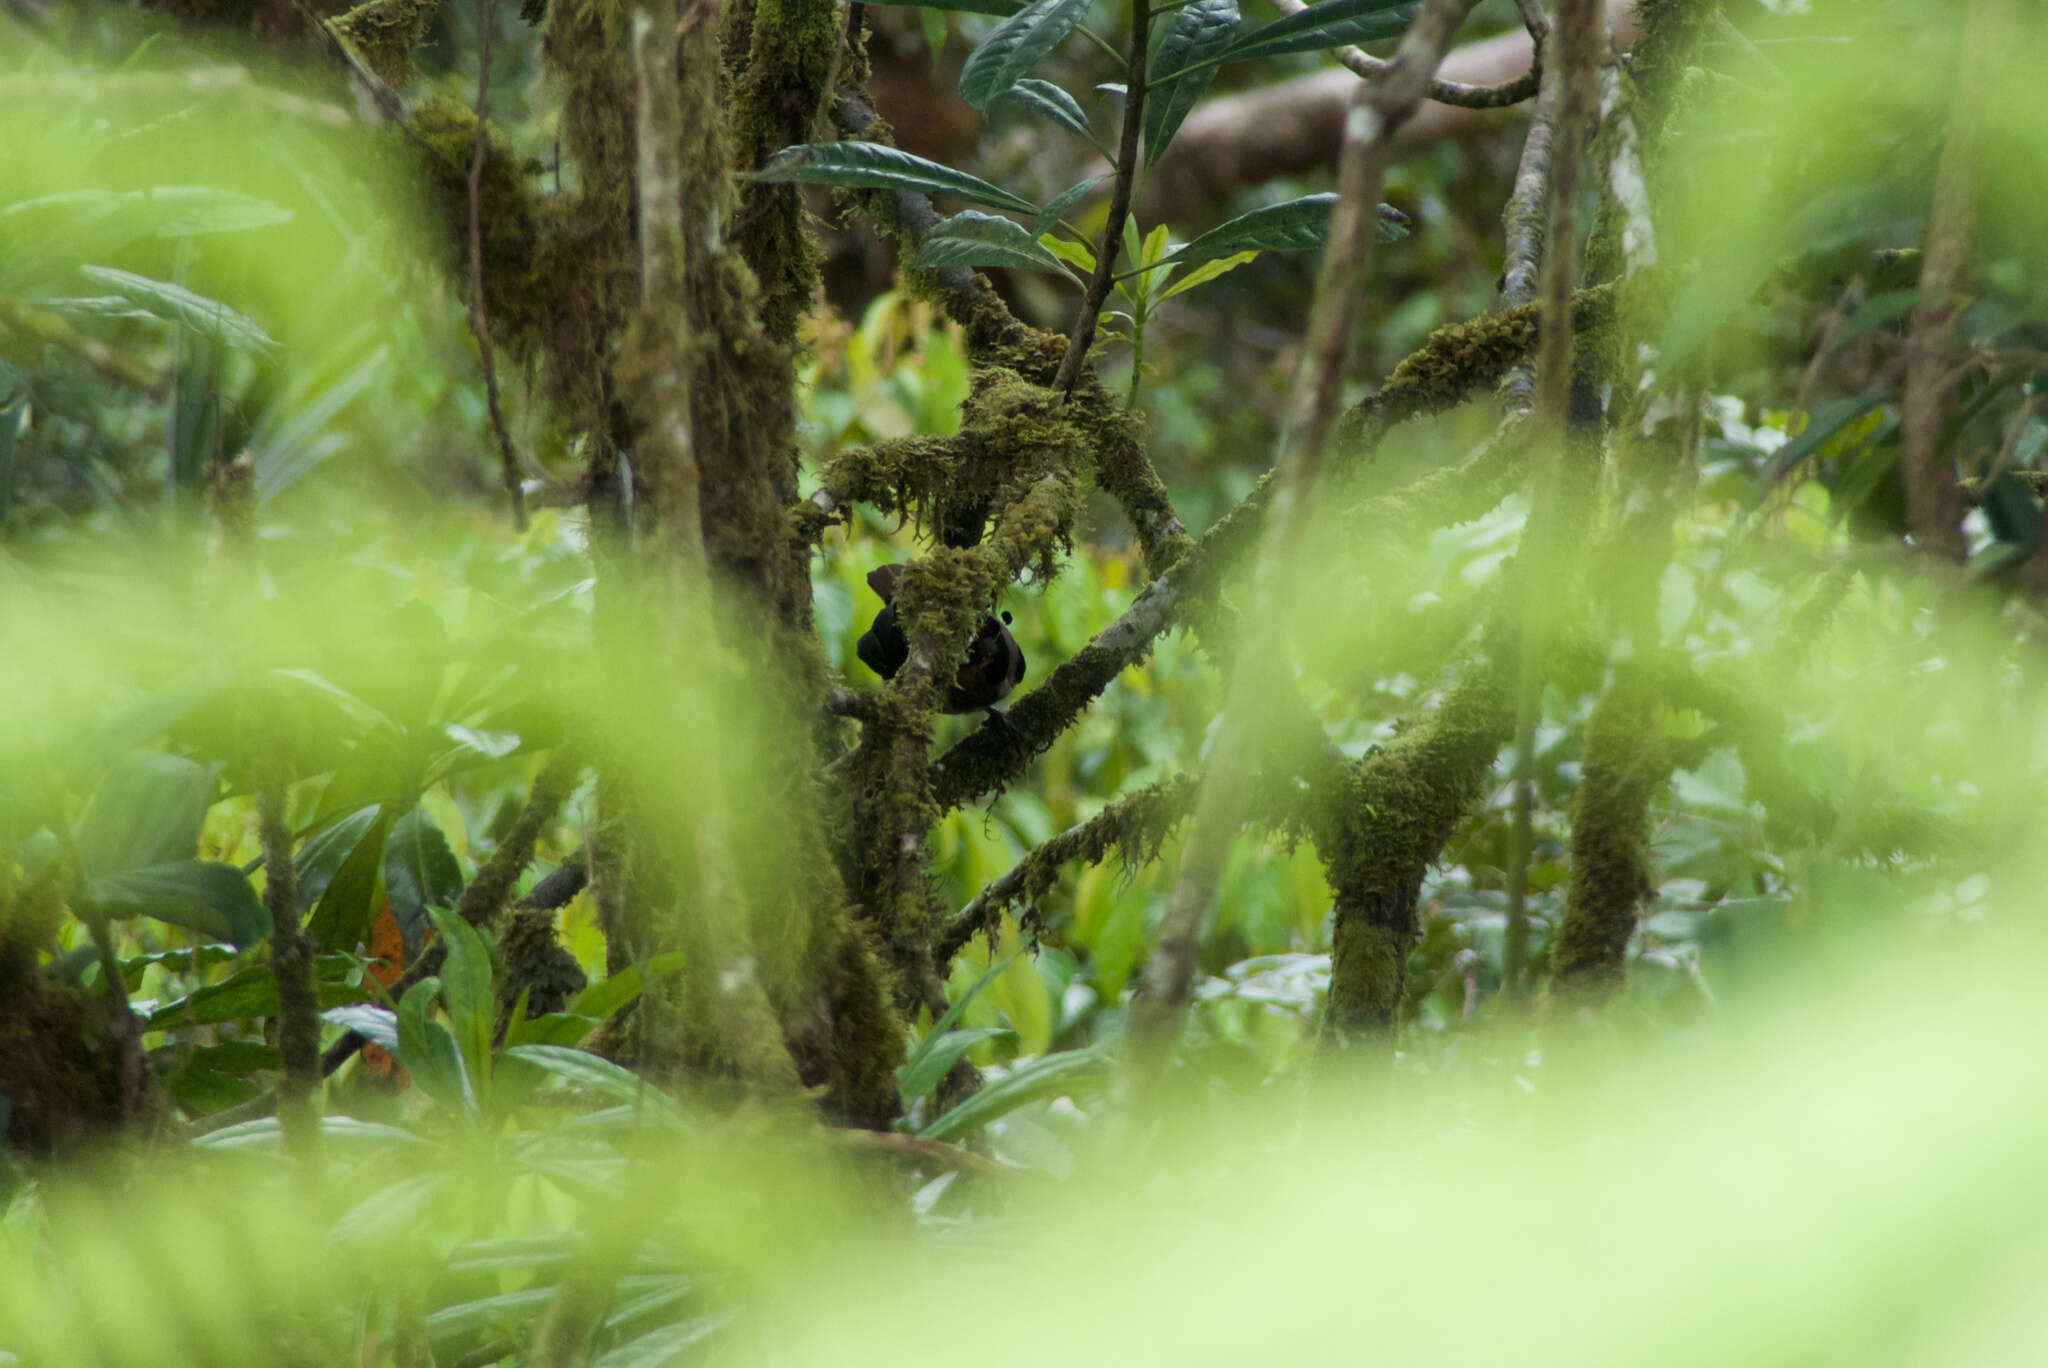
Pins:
x: 991, y: 667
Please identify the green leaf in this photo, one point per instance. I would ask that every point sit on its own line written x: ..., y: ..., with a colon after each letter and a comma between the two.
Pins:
x: 1333, y: 23
x: 176, y: 304
x: 937, y: 1054
x: 147, y: 812
x: 1056, y: 208
x: 251, y: 992
x: 378, y: 1025
x: 1014, y: 46
x: 972, y: 238
x: 343, y: 918
x: 427, y: 1049
x: 607, y: 995
x: 1208, y: 271
x: 1044, y: 1076
x: 587, y: 1070
x: 1073, y: 253
x: 1045, y: 98
x: 1827, y: 419
x: 10, y: 438
x: 326, y: 849
x: 658, y: 1347
x: 389, y: 1214
x: 1873, y: 312
x: 508, y: 1310
x: 1182, y: 67
x: 267, y: 1133
x: 419, y: 869
x: 466, y: 991
x: 875, y: 167
x: 531, y: 1251
x: 917, y: 1063
x: 210, y: 898
x: 1298, y: 225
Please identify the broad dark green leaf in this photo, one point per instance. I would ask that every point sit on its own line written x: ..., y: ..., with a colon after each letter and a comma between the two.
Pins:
x: 378, y: 1025
x: 1066, y: 1071
x: 1873, y: 312
x: 1182, y: 67
x: 147, y: 812
x: 1333, y: 23
x: 419, y: 869
x: 426, y: 1048
x: 212, y: 899
x: 1015, y: 46
x: 1827, y: 419
x: 326, y: 849
x: 971, y: 238
x: 466, y: 991
x: 176, y: 304
x: 252, y: 992
x: 1299, y: 225
x: 1045, y: 98
x: 347, y: 905
x: 875, y: 167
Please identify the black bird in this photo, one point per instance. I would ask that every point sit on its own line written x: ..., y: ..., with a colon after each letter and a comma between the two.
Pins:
x: 993, y: 664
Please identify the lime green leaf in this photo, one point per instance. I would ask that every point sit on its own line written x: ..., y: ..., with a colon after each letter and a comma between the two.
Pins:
x: 1208, y: 271
x: 1073, y: 253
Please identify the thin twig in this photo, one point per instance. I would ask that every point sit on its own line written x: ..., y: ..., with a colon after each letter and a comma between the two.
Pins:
x: 479, y: 318
x: 1457, y: 93
x: 1127, y: 152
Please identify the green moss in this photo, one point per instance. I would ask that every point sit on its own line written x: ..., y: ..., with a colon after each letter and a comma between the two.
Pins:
x: 1381, y: 824
x: 791, y: 53
x: 508, y: 220
x: 1610, y: 843
x: 383, y: 34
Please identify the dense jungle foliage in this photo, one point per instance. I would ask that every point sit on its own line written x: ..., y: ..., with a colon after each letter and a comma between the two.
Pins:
x: 984, y: 680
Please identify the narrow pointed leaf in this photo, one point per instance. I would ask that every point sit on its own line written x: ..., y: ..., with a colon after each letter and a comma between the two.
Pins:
x: 1299, y: 225
x: 1333, y: 23
x: 1208, y: 271
x: 1045, y: 98
x: 176, y: 304
x: 970, y: 238
x: 1182, y: 67
x: 1009, y: 52
x: 1056, y: 208
x: 1068, y: 1071
x: 872, y: 166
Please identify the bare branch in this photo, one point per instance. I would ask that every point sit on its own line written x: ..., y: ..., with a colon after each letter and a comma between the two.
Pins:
x: 479, y: 319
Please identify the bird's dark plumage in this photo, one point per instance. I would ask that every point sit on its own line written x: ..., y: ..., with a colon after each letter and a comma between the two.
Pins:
x: 992, y: 666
